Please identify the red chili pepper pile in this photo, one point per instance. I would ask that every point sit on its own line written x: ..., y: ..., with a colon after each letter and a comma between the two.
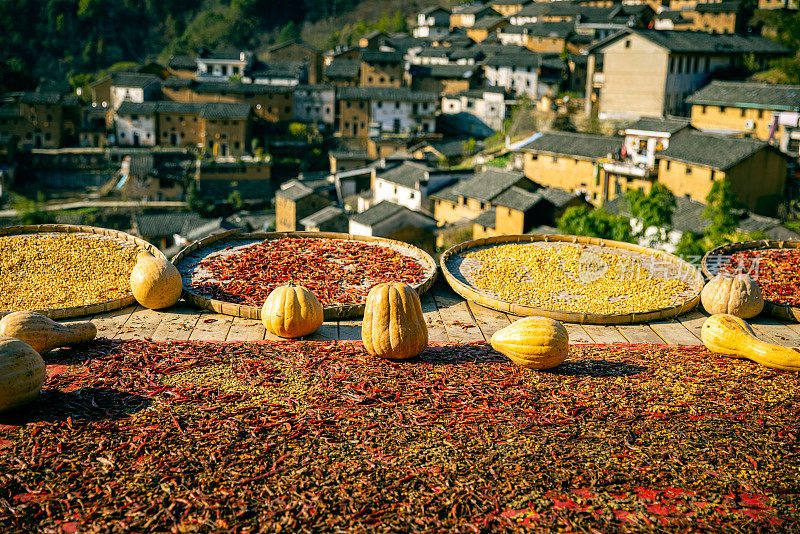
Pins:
x: 777, y: 272
x: 338, y: 272
x: 321, y: 437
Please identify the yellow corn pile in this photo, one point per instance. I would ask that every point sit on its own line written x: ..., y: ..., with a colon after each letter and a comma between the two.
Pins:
x: 59, y: 271
x: 572, y: 278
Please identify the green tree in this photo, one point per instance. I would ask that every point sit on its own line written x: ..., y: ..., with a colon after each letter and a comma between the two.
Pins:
x: 721, y: 203
x: 399, y: 23
x: 235, y: 200
x: 197, y: 203
x: 582, y: 220
x: 653, y: 209
x: 298, y: 129
x: 290, y: 32
x: 31, y: 211
x: 384, y: 24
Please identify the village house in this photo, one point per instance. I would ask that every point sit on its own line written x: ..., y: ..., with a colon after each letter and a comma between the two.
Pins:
x: 743, y: 108
x: 777, y: 4
x: 444, y: 79
x: 221, y: 65
x: 465, y: 15
x: 302, y: 52
x: 469, y: 198
x: 432, y: 23
x: 488, y: 105
x: 448, y: 152
x: 394, y: 221
x: 315, y: 104
x: 673, y: 20
x: 540, y: 36
x: 571, y: 161
x: 293, y: 203
x: 182, y: 66
x: 40, y: 119
x: 342, y: 72
x: 371, y: 111
x: 219, y: 177
x: 695, y: 160
x: 518, y: 211
x: 410, y: 183
x: 507, y: 7
x: 272, y: 103
x: 637, y: 73
x: 522, y: 73
x: 328, y: 219
x: 485, y: 26
x: 372, y: 40
x: 277, y: 73
x: 220, y: 129
x: 120, y: 87
x: 381, y: 69
x: 346, y: 160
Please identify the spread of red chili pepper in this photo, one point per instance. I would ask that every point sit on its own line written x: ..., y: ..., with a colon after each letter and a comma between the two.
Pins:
x: 777, y: 272
x: 339, y: 272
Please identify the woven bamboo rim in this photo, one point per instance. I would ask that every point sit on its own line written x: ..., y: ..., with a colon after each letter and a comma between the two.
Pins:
x: 89, y: 309
x: 710, y: 269
x: 471, y: 293
x: 331, y: 312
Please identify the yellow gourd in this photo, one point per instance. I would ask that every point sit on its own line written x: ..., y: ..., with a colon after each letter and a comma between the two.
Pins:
x: 292, y: 311
x: 732, y: 336
x: 533, y: 342
x: 42, y: 333
x: 155, y: 282
x: 737, y: 295
x: 394, y: 327
x: 22, y: 373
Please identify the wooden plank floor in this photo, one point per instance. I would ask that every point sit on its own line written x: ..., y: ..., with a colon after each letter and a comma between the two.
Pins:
x: 449, y: 318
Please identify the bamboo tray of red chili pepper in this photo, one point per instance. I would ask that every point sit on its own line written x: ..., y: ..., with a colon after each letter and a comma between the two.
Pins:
x: 233, y: 272
x: 775, y: 265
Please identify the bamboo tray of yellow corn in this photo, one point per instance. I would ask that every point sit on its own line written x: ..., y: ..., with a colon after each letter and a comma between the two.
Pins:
x: 572, y: 278
x: 64, y: 270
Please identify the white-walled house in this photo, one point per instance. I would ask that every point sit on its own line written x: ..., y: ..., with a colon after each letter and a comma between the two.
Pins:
x: 133, y: 87
x: 433, y: 23
x: 136, y: 124
x: 221, y: 65
x: 488, y: 105
x: 517, y: 73
x: 409, y: 183
x: 386, y: 218
x: 315, y: 103
x: 403, y: 116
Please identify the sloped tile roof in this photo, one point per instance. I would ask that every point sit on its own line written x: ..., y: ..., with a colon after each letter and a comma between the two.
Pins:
x: 380, y: 56
x: 487, y: 184
x: 575, y: 144
x: 715, y: 151
x: 684, y: 41
x: 748, y: 94
x: 342, y: 68
x: 294, y: 192
x: 443, y: 71
x: 133, y: 79
x: 378, y: 213
x: 321, y: 216
x: 385, y: 93
x: 487, y: 219
x: 657, y: 124
x: 518, y: 199
x: 408, y: 174
x: 182, y: 62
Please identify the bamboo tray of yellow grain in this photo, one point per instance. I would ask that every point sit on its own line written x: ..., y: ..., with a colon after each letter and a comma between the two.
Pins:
x: 64, y: 270
x: 574, y: 279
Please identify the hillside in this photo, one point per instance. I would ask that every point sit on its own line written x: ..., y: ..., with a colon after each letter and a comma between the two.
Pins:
x: 60, y: 39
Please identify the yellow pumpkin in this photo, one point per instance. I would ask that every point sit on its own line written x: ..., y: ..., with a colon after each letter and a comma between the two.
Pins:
x: 533, y: 342
x: 22, y: 373
x: 393, y: 326
x: 732, y: 336
x: 292, y: 311
x: 737, y: 295
x: 155, y: 282
x: 42, y: 333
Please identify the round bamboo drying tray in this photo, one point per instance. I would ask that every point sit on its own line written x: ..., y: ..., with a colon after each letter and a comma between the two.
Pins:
x: 713, y: 260
x: 468, y: 291
x: 91, y: 309
x: 331, y: 312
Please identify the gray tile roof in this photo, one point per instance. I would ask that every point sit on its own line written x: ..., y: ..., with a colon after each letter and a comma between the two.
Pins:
x: 222, y: 110
x: 349, y: 154
x: 133, y: 79
x: 278, y: 69
x: 294, y: 191
x: 182, y: 62
x: 450, y: 148
x: 443, y: 71
x: 305, y: 45
x: 209, y: 110
x: 719, y: 7
x: 534, y: 10
x: 518, y: 199
x: 380, y: 56
x: 580, y: 145
x: 408, y: 174
x: 560, y: 30
x: 342, y: 68
x: 715, y: 151
x: 137, y: 108
x: 323, y: 215
x: 657, y: 124
x: 222, y: 54
x: 41, y: 97
x: 446, y: 193
x: 487, y: 184
x: 748, y: 94
x: 523, y: 59
x: 487, y: 219
x: 507, y: 2
x: 239, y: 88
x: 683, y: 41
x: 557, y: 197
x: 487, y: 22
x: 688, y: 217
x: 433, y: 9
x: 378, y: 213
x: 469, y: 9
x: 403, y: 94
x: 166, y: 224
